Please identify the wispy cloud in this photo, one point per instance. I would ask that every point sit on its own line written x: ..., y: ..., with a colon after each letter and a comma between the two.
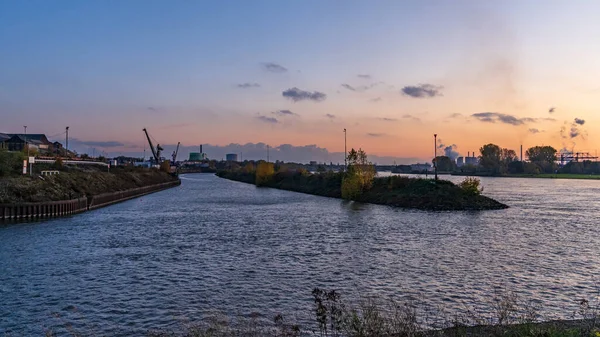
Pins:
x: 99, y: 143
x: 284, y: 113
x: 361, y: 88
x: 365, y: 76
x: 274, y: 67
x: 376, y: 99
x: 579, y: 121
x: 296, y: 95
x: 375, y: 134
x: 248, y: 85
x: 151, y: 108
x: 387, y: 119
x: 422, y: 91
x: 411, y: 117
x: 456, y: 115
x: 551, y: 110
x: 534, y: 130
x: 493, y: 117
x: 330, y: 116
x: 269, y: 120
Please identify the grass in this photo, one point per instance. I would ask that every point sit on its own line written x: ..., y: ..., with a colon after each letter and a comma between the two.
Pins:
x: 332, y: 316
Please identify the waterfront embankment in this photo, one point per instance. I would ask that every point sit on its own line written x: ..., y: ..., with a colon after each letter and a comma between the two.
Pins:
x: 72, y: 192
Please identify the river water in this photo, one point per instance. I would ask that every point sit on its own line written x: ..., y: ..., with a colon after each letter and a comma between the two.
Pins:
x: 173, y: 257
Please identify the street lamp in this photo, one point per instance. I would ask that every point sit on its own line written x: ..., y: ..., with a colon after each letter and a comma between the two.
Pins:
x: 435, y: 155
x: 345, y: 152
x: 25, y: 127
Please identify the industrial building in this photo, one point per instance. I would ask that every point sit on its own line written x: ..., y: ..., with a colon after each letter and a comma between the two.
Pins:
x: 17, y: 141
x: 231, y: 157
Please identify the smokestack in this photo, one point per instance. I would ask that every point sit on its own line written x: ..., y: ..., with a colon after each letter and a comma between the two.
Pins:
x: 521, y: 152
x: 468, y: 153
x: 200, y: 149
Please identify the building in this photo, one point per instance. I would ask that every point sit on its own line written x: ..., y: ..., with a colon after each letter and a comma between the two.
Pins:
x: 460, y: 161
x: 426, y: 167
x: 17, y: 141
x: 313, y: 163
x: 197, y: 156
x: 471, y: 161
x: 231, y: 157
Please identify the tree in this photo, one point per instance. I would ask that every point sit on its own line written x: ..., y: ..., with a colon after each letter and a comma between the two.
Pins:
x: 11, y: 162
x: 490, y: 158
x: 359, y: 176
x: 264, y: 172
x: 541, y: 154
x: 444, y: 163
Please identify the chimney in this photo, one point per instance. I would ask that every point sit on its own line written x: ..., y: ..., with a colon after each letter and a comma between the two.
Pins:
x: 200, y: 149
x: 521, y: 152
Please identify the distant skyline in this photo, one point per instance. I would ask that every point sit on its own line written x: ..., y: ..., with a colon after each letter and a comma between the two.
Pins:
x: 297, y: 73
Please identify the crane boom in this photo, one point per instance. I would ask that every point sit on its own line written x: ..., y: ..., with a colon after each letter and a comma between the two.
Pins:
x: 175, y: 153
x: 154, y: 151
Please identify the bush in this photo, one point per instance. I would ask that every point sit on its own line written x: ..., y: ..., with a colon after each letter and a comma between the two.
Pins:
x: 471, y: 186
x: 264, y: 173
x: 11, y: 163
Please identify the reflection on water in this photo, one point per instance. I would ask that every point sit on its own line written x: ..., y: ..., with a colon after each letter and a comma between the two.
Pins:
x: 167, y: 258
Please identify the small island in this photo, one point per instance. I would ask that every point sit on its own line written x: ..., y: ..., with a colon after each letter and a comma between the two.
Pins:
x: 359, y: 183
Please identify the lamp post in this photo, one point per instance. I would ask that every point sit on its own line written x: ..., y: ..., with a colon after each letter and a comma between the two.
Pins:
x: 435, y: 155
x: 345, y: 153
x: 67, y: 142
x: 25, y: 127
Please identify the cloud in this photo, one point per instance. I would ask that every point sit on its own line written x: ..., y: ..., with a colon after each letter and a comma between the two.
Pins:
x: 493, y: 117
x: 365, y: 76
x: 376, y: 99
x: 411, y: 117
x: 422, y: 91
x: 361, y: 88
x: 104, y: 144
x: 551, y: 110
x: 274, y: 67
x: 151, y: 108
x: 534, y: 130
x: 387, y: 119
x: 248, y: 85
x: 266, y: 119
x: 575, y: 130
x: 330, y: 116
x: 375, y: 134
x: 579, y: 121
x: 296, y: 95
x: 348, y: 86
x: 284, y: 113
x: 456, y: 115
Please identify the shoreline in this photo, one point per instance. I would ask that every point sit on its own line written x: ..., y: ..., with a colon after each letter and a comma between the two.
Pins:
x: 401, y: 192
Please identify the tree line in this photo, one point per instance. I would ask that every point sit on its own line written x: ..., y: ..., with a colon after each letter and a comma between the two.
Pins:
x: 494, y: 160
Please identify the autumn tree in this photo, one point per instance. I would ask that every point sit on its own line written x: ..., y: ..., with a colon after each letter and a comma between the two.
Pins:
x: 264, y: 172
x: 359, y: 175
x: 543, y: 156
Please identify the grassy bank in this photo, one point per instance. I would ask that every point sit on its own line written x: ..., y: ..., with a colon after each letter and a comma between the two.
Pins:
x: 330, y: 314
x: 75, y: 182
x: 541, y: 175
x: 398, y: 191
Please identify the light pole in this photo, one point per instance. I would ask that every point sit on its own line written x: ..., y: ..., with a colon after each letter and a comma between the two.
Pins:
x: 267, y: 153
x: 345, y: 153
x: 25, y: 127
x: 67, y: 142
x: 435, y: 155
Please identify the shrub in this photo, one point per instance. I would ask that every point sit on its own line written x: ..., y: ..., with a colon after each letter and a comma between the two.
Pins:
x: 11, y: 163
x: 471, y: 186
x: 264, y: 172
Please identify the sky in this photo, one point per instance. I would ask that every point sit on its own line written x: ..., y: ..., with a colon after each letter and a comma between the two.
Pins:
x: 241, y: 75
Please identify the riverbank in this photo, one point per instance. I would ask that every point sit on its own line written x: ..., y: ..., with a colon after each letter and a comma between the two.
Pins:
x: 540, y: 176
x: 77, y: 183
x: 76, y: 191
x: 397, y: 191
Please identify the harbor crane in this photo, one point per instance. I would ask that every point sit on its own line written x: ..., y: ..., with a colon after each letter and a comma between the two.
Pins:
x: 175, y: 153
x: 155, y: 151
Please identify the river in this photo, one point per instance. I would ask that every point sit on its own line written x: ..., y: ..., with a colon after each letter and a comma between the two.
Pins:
x: 173, y: 257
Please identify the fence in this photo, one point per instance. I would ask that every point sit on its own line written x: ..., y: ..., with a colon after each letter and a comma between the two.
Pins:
x: 67, y: 207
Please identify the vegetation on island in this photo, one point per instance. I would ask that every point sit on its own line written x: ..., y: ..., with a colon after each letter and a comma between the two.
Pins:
x: 359, y: 183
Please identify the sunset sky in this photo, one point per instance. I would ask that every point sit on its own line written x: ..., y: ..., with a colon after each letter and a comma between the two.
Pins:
x: 392, y: 73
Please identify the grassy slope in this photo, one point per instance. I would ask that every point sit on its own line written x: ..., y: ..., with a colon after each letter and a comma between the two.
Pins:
x: 75, y: 184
